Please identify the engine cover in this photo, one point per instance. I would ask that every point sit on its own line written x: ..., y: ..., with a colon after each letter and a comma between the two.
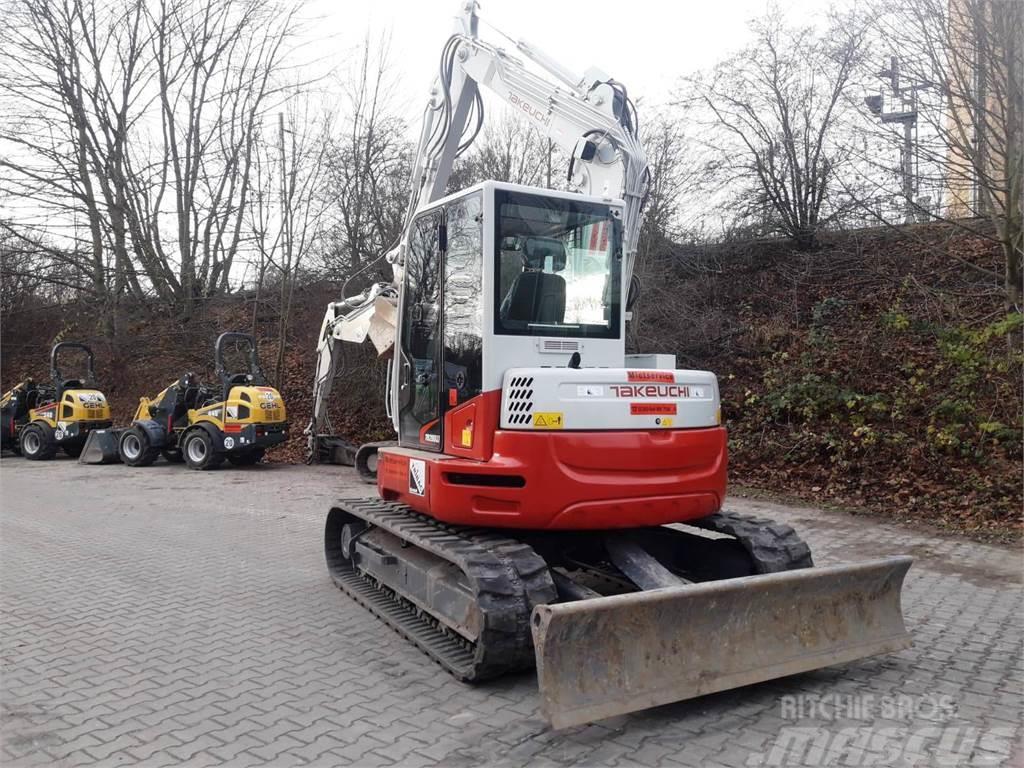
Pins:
x: 608, y: 399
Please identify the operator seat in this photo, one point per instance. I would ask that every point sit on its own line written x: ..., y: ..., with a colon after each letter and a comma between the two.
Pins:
x: 236, y: 380
x: 36, y: 397
x: 537, y: 296
x: 186, y: 396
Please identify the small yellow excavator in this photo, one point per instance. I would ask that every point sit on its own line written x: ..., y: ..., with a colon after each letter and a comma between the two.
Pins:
x: 39, y: 419
x: 203, y: 425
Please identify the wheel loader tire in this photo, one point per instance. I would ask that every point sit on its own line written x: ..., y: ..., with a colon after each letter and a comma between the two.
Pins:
x: 200, y: 452
x: 135, y: 448
x: 74, y: 450
x: 173, y: 456
x: 37, y: 442
x: 247, y: 458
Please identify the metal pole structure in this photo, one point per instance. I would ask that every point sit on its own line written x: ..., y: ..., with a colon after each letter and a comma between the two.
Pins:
x: 908, y: 171
x: 550, y: 149
x: 907, y: 166
x: 286, y: 254
x: 284, y: 190
x: 907, y: 115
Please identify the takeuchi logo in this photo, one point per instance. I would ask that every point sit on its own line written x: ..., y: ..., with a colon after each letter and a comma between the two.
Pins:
x: 650, y: 390
x: 529, y: 109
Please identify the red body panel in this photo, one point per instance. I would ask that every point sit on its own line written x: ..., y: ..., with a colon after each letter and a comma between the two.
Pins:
x: 560, y: 479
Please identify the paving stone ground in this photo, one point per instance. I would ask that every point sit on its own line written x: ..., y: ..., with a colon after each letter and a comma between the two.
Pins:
x: 161, y: 616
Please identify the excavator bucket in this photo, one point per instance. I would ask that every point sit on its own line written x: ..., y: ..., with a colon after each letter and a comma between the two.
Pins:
x: 607, y: 656
x: 100, y: 447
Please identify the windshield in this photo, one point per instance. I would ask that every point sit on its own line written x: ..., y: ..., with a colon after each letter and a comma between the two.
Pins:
x: 558, y: 265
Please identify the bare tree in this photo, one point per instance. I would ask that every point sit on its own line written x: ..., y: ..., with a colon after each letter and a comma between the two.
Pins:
x: 675, y: 188
x: 216, y: 65
x: 34, y: 270
x: 966, y: 57
x: 507, y: 150
x: 52, y: 138
x: 140, y: 118
x: 771, y: 114
x: 369, y: 163
x: 289, y: 202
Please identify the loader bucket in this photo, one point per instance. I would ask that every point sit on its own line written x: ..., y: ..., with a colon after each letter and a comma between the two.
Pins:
x: 607, y: 656
x: 100, y: 447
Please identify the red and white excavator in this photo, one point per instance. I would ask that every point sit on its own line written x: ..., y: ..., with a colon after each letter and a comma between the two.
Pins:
x: 549, y: 499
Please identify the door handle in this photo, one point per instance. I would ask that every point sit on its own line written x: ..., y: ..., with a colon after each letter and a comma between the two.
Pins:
x: 388, y: 391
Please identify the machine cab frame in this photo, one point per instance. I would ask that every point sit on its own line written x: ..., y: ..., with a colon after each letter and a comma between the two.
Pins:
x: 500, y: 276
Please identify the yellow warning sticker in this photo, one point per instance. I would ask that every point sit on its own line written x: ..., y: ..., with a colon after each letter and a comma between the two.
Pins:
x: 547, y: 421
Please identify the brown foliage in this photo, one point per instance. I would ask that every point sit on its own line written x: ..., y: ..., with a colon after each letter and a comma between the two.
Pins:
x: 872, y: 373
x: 859, y: 375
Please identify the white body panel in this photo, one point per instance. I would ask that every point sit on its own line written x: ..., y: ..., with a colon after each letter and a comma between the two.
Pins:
x: 657, y: 361
x: 603, y: 399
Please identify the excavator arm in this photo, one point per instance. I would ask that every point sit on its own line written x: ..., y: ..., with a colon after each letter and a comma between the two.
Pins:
x: 589, y: 117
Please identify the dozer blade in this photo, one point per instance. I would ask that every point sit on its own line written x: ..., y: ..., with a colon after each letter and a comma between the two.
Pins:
x: 100, y: 447
x: 608, y: 656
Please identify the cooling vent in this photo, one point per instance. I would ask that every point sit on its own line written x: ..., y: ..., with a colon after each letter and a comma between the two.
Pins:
x: 559, y: 345
x: 520, y: 400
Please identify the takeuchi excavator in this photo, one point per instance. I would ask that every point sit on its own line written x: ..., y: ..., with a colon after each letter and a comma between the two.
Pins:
x: 550, y: 500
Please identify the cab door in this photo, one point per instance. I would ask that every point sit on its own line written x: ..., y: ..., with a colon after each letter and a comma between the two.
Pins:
x: 419, y: 349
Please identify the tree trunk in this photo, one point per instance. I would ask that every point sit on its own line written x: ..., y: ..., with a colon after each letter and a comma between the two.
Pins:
x: 1014, y: 287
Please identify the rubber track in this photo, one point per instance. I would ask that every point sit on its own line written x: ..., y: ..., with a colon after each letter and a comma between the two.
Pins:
x: 773, y: 546
x: 509, y: 579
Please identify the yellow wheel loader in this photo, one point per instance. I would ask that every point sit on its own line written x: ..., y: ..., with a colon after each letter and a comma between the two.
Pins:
x: 39, y: 419
x: 203, y: 425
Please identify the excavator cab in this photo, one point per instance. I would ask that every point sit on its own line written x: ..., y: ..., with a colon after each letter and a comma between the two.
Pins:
x: 529, y: 288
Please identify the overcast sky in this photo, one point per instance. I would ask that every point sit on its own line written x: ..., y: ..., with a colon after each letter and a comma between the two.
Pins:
x: 646, y: 44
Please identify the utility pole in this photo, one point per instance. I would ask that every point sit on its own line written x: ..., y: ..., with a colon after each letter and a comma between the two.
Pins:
x: 285, y: 218
x: 907, y: 115
x: 286, y: 256
x: 909, y: 182
x: 550, y: 150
